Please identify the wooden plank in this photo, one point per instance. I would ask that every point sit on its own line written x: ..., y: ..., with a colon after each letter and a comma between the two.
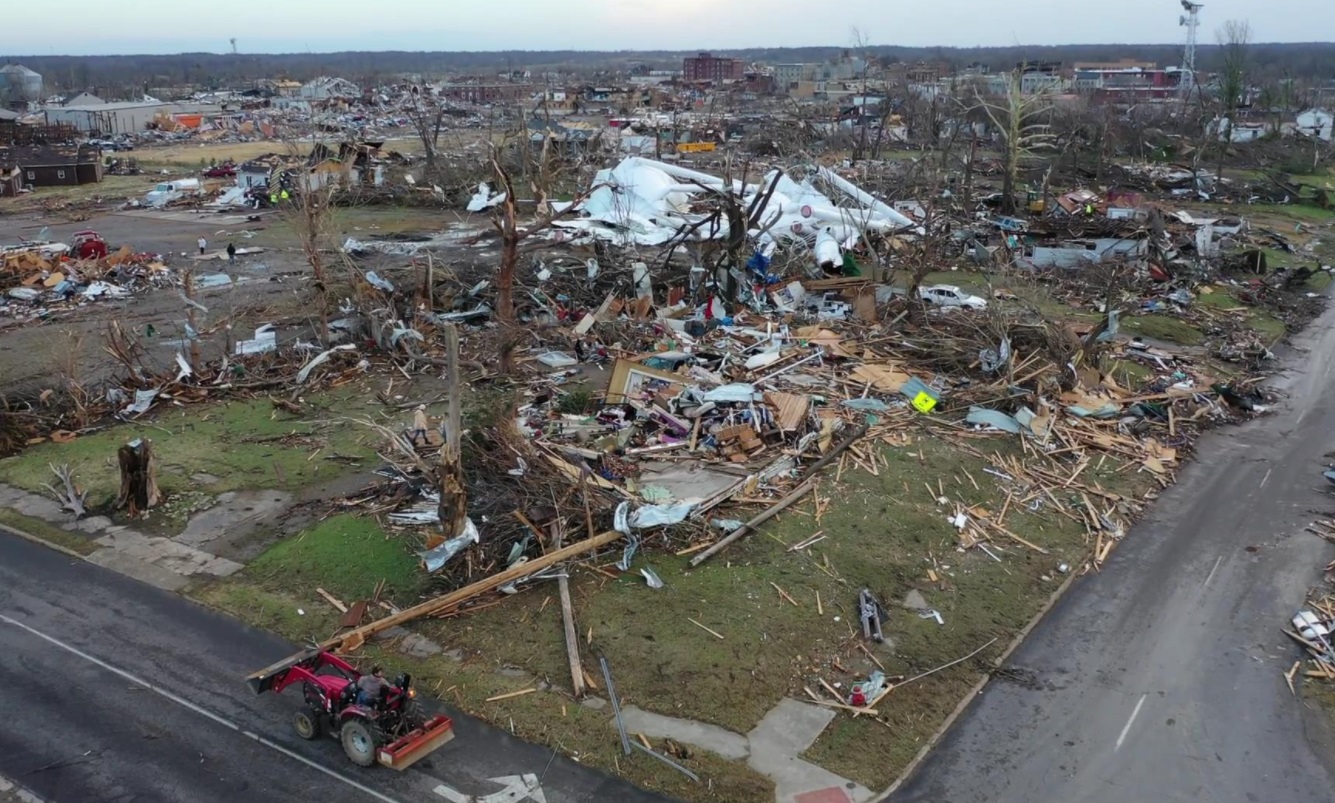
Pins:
x: 332, y: 600
x: 512, y: 694
x: 568, y: 625
x: 713, y: 633
x: 356, y: 613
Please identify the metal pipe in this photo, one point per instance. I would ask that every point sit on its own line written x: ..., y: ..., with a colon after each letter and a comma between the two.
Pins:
x: 616, y: 705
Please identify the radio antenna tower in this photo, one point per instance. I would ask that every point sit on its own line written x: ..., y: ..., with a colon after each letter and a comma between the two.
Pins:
x: 1191, y: 21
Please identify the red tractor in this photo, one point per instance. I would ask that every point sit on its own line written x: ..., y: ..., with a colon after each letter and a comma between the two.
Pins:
x: 389, y: 729
x: 88, y: 244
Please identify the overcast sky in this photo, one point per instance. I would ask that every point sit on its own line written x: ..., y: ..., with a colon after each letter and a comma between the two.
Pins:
x: 270, y: 26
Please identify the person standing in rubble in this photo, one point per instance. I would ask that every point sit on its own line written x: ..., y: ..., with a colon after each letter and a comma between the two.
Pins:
x: 231, y: 252
x: 203, y: 244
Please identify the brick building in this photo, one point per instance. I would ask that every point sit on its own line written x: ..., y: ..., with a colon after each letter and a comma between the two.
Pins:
x: 707, y: 67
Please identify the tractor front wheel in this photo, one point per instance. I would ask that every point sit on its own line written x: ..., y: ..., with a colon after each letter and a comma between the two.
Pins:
x: 359, y: 742
x: 305, y: 723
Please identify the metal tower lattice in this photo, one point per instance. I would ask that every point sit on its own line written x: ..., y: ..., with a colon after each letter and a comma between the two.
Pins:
x: 1191, y: 21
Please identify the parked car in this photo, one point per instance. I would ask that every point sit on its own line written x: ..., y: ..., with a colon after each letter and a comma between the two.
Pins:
x: 224, y: 170
x: 948, y: 295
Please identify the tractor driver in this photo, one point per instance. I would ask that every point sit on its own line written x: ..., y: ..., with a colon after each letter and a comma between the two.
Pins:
x: 369, y: 687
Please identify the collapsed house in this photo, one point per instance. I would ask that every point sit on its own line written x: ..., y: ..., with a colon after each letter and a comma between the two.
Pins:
x: 644, y: 202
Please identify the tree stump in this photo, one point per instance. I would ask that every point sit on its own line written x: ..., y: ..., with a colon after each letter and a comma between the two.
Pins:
x: 139, y: 483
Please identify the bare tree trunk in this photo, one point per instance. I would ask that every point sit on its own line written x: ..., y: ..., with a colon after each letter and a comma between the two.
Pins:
x: 505, y: 275
x: 453, y: 508
x: 188, y: 289
x: 310, y: 219
x: 139, y: 484
x: 968, y: 169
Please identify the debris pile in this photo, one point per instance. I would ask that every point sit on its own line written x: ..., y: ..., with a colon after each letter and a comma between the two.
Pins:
x: 39, y: 279
x: 1313, y: 626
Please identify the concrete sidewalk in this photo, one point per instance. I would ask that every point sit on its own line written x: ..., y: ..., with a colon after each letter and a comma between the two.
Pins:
x: 772, y: 748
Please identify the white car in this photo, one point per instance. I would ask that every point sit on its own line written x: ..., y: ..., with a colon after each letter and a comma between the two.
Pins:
x: 948, y: 295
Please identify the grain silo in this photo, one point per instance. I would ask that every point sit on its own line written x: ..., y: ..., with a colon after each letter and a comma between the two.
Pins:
x: 18, y: 84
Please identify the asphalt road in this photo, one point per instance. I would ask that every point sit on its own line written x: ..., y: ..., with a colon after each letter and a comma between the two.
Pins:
x: 112, y: 691
x: 1160, y: 679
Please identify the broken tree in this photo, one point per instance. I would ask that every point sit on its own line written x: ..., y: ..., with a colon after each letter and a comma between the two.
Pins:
x: 453, y: 508
x: 139, y: 484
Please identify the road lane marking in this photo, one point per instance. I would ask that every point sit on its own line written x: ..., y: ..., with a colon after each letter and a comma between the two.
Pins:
x: 1266, y: 477
x: 181, y: 701
x: 1210, y: 576
x: 1129, y: 723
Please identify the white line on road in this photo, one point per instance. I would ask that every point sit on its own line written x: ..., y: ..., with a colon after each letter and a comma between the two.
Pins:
x: 1129, y: 722
x: 1210, y: 576
x: 1266, y: 477
x: 202, y: 712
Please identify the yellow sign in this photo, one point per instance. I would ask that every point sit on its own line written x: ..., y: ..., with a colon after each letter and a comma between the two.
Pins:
x: 924, y: 403
x: 695, y: 147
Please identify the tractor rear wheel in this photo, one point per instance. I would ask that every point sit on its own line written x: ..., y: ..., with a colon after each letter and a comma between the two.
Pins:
x: 358, y: 742
x: 305, y: 723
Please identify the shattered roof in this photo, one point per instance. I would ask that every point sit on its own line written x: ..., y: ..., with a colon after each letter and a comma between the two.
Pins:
x: 648, y: 203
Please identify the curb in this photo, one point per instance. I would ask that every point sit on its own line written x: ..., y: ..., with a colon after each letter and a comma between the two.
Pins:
x: 9, y: 787
x: 977, y: 689
x: 27, y: 536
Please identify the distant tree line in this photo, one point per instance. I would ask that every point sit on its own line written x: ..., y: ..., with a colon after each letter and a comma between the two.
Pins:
x: 129, y: 74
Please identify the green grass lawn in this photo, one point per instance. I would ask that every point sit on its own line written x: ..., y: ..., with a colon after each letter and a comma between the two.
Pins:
x: 1221, y: 298
x: 347, y: 556
x: 1165, y: 327
x: 243, y: 444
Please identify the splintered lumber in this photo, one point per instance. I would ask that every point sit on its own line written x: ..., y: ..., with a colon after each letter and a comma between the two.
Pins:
x: 778, y: 507
x: 519, y: 693
x: 332, y: 600
x: 356, y: 613
x: 454, y: 599
x: 713, y: 633
x: 568, y: 625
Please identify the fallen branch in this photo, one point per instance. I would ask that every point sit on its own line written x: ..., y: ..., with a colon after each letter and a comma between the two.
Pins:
x: 72, y: 498
x: 894, y: 686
